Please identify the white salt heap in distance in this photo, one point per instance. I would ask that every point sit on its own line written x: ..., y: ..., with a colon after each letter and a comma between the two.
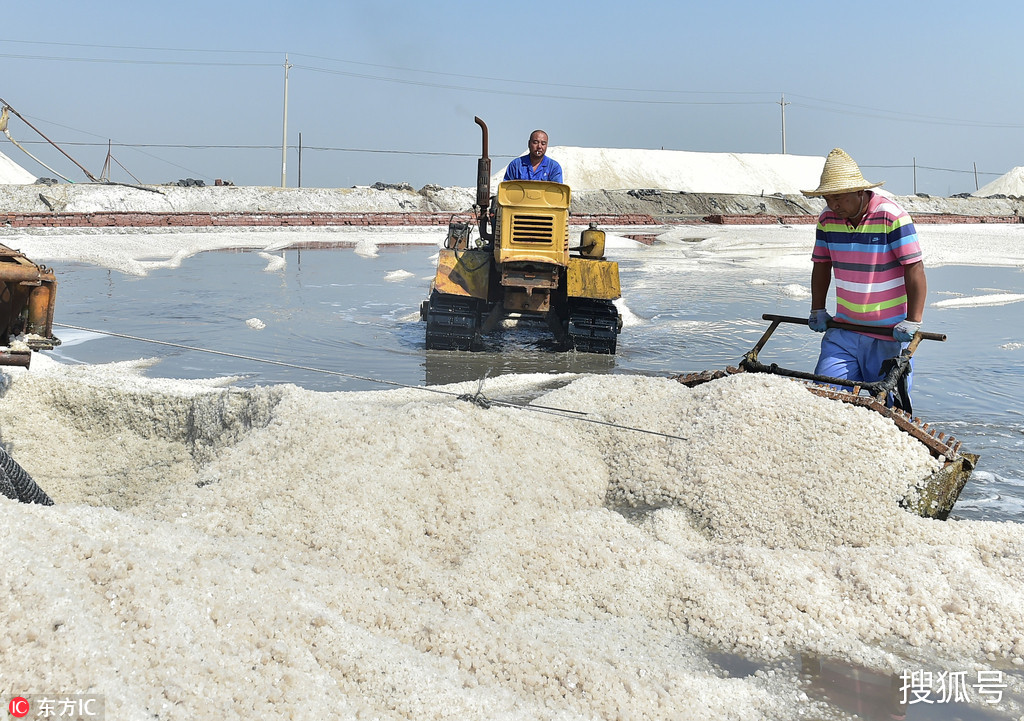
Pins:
x: 12, y: 173
x: 681, y: 170
x: 230, y: 554
x: 1010, y: 184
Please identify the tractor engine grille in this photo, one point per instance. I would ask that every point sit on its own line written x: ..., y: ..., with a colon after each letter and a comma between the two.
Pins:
x: 527, y: 228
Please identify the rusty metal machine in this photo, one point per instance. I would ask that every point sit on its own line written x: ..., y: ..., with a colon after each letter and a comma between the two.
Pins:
x: 28, y: 293
x: 27, y: 296
x: 521, y: 267
x: 887, y: 397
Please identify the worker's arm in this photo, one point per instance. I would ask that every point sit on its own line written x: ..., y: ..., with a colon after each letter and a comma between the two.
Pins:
x: 917, y: 289
x: 821, y: 279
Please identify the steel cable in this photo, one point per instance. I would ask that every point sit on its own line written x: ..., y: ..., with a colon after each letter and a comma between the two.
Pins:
x: 477, y: 398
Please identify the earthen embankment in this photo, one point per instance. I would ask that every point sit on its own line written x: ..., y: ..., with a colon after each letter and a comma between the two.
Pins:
x: 123, y: 206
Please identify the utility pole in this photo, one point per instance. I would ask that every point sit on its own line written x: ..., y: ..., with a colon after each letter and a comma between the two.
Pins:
x: 105, y: 173
x: 284, y: 139
x: 783, y: 103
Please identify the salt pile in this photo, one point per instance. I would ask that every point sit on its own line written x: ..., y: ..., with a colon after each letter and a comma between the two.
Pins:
x: 215, y: 554
x: 1010, y: 184
x: 625, y: 169
x: 751, y: 470
x: 11, y: 172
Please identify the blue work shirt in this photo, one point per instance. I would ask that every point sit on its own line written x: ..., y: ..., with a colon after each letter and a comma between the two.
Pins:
x: 522, y: 169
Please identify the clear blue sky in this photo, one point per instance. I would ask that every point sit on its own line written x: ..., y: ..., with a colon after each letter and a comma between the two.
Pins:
x: 386, y: 91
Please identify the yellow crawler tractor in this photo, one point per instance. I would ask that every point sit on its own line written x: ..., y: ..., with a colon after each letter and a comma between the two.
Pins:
x: 521, y: 267
x: 28, y: 293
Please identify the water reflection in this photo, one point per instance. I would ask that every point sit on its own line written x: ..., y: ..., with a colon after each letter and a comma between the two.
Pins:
x: 871, y: 695
x: 443, y: 367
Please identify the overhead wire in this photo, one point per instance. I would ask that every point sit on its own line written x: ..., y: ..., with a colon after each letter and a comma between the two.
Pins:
x: 848, y: 108
x: 210, y: 146
x: 491, y: 79
x: 426, y: 153
x: 136, y: 47
x: 3, y: 126
x: 133, y: 146
x: 134, y: 61
x: 902, y: 116
x: 811, y: 103
x: 527, y: 93
x: 484, y: 78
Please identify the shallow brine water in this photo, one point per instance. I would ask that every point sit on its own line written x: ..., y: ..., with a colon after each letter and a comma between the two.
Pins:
x: 330, y: 319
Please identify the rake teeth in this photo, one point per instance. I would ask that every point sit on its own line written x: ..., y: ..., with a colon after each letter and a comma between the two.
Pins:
x: 695, y: 379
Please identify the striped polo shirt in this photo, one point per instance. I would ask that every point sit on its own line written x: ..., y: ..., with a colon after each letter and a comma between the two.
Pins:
x: 867, y: 261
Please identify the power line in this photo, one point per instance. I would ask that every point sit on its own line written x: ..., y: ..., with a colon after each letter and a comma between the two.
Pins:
x: 647, y: 96
x: 491, y: 79
x: 194, y: 146
x: 928, y: 167
x: 524, y: 93
x: 138, y: 47
x: 836, y: 106
x: 484, y: 78
x: 425, y: 153
x: 128, y: 61
x: 883, y: 114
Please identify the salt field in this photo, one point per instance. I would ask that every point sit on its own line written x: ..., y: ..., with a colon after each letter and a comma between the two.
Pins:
x: 271, y: 501
x: 236, y: 538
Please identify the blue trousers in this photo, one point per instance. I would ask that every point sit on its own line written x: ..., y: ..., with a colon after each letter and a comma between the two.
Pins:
x: 857, y: 357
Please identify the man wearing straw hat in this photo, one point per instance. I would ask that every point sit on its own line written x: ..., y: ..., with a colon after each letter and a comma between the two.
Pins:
x: 870, y: 244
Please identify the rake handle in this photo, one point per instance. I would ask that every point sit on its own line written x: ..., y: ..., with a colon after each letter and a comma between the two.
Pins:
x: 849, y: 326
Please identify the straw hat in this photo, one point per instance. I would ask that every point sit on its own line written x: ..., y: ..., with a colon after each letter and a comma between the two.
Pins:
x: 840, y: 175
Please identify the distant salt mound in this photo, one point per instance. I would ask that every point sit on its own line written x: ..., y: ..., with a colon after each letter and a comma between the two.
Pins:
x: 682, y: 170
x: 1009, y: 184
x: 13, y: 174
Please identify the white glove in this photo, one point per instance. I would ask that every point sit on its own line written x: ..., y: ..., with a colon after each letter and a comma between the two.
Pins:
x: 905, y: 329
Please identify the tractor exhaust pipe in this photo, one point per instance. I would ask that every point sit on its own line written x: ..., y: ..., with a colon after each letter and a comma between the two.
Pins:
x: 483, y: 184
x: 483, y: 170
